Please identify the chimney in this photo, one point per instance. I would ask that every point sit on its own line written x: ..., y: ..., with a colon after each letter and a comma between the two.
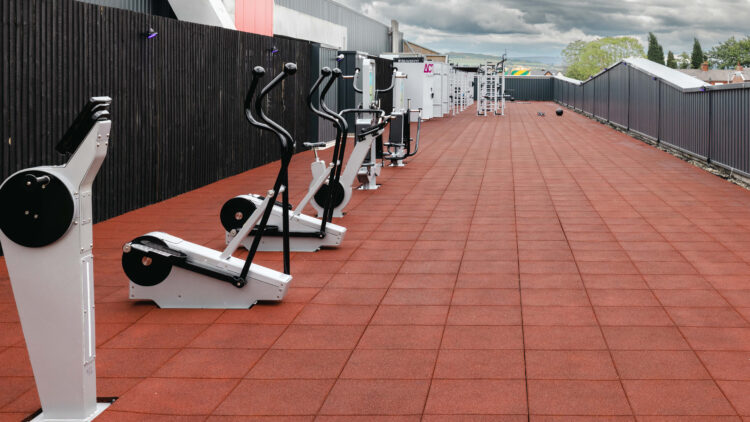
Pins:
x: 739, y: 67
x: 395, y: 37
x: 704, y: 66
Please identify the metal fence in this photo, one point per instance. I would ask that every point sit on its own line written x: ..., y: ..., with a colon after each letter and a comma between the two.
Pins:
x: 177, y: 109
x: 709, y: 123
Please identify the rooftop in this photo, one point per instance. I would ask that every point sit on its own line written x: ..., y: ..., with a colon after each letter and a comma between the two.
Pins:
x: 519, y: 265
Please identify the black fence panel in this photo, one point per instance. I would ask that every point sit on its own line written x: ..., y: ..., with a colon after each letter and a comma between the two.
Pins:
x: 177, y: 109
x: 529, y: 88
x: 730, y: 128
x: 683, y: 120
x: 644, y: 104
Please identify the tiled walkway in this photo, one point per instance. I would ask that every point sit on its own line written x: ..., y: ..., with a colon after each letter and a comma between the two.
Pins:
x: 519, y: 267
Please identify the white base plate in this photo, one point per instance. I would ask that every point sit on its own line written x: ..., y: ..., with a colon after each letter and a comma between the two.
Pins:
x: 100, y: 407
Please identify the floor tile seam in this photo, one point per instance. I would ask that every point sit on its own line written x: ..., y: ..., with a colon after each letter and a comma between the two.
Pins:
x: 565, y: 234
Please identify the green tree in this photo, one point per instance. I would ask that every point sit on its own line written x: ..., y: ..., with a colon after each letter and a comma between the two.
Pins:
x: 732, y: 51
x: 587, y: 59
x: 683, y: 60
x: 696, y: 59
x: 572, y: 52
x: 671, y: 61
x: 655, y: 52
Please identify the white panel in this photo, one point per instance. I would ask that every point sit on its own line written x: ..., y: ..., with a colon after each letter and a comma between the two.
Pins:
x: 207, y: 12
x: 294, y: 24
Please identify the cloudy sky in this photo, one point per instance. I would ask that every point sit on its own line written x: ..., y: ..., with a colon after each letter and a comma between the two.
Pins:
x: 544, y: 27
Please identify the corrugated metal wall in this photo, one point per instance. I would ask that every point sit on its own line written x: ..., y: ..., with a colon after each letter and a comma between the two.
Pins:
x: 619, y: 92
x: 529, y: 88
x: 588, y: 98
x: 601, y: 96
x: 684, y: 120
x: 177, y: 109
x: 363, y: 33
x: 730, y: 128
x: 644, y: 104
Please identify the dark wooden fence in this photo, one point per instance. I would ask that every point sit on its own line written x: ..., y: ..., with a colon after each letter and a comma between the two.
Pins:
x: 177, y: 109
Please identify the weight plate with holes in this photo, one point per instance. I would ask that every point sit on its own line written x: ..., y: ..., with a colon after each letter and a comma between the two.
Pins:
x: 322, y: 195
x: 235, y: 212
x: 34, y: 212
x: 146, y: 270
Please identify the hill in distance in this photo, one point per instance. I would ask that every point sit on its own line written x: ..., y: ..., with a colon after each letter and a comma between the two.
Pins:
x: 534, y: 63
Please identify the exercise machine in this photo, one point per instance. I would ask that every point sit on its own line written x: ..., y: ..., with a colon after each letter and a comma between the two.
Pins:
x: 399, y: 145
x: 307, y: 234
x: 339, y: 190
x: 175, y: 273
x: 46, y: 230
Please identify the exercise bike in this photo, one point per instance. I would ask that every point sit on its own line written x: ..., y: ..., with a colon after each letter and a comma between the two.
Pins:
x: 46, y: 231
x: 175, y: 273
x: 339, y: 190
x: 307, y: 234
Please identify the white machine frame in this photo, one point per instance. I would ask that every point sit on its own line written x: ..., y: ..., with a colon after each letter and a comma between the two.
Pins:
x: 53, y: 285
x: 305, y: 231
x: 175, y: 273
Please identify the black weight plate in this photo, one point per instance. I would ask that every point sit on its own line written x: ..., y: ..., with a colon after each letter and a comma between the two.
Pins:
x: 322, y: 195
x: 33, y: 216
x: 228, y: 214
x: 146, y: 275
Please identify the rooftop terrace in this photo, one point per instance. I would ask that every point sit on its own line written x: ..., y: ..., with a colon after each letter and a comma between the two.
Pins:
x: 522, y: 266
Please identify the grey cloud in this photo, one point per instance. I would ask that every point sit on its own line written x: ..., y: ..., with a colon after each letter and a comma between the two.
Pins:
x: 529, y: 27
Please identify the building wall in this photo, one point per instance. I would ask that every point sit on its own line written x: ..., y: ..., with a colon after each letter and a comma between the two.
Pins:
x: 363, y: 33
x: 294, y: 24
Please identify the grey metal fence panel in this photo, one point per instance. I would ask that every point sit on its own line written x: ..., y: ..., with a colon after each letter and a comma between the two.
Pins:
x: 363, y: 33
x: 644, y: 104
x: 730, y: 128
x: 619, y: 83
x: 683, y: 120
x: 601, y: 96
x: 529, y: 88
x: 589, y: 90
x: 578, y: 96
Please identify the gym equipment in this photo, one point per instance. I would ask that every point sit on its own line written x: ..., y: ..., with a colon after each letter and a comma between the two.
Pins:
x: 46, y: 231
x: 540, y: 113
x: 370, y: 169
x: 491, y: 92
x: 307, y: 234
x: 559, y: 112
x: 419, y: 87
x: 339, y: 190
x: 399, y: 145
x: 175, y: 273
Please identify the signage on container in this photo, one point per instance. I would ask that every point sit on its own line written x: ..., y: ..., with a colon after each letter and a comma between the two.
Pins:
x: 428, y: 67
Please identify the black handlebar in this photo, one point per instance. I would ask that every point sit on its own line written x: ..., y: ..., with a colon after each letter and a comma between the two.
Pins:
x: 287, y: 141
x: 342, y: 125
x: 258, y: 72
x: 324, y: 73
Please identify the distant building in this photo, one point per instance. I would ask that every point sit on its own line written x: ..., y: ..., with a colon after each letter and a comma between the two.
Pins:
x: 435, y: 56
x: 719, y: 76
